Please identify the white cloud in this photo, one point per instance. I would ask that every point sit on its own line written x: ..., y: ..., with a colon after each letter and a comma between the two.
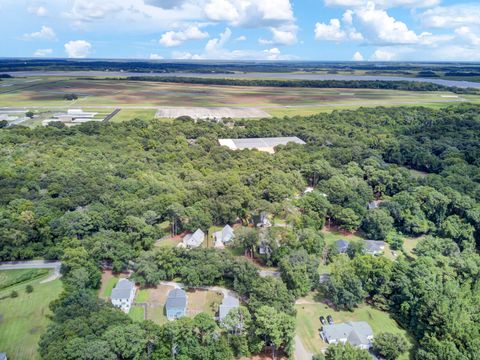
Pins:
x: 241, y: 38
x: 380, y: 28
x: 383, y: 55
x: 467, y: 34
x: 37, y: 10
x: 250, y: 13
x: 357, y: 56
x: 217, y: 43
x: 156, y: 57
x: 452, y: 16
x: 272, y: 54
x: 333, y: 31
x: 45, y: 33
x: 42, y: 52
x: 78, y: 48
x: 284, y: 36
x: 221, y: 10
x: 175, y: 38
x: 384, y: 3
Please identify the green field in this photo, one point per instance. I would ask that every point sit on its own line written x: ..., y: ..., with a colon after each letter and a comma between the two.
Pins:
x: 13, y: 279
x: 137, y: 313
x: 308, y: 322
x: 23, y: 319
x: 139, y: 99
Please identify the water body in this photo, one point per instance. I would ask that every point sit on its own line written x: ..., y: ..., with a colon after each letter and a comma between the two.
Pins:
x: 287, y: 76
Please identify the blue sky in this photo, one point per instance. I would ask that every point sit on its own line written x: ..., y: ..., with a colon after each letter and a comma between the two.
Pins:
x: 382, y: 30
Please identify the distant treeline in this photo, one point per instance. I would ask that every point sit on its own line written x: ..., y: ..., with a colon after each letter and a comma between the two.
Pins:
x: 350, y: 84
x: 226, y: 67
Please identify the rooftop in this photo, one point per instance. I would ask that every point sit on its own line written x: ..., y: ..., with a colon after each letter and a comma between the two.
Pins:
x: 177, y: 298
x: 356, y: 332
x: 123, y: 289
x: 261, y: 144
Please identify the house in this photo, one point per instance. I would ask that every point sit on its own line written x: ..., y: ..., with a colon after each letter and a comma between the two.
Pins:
x: 342, y: 246
x: 261, y: 220
x: 3, y: 356
x: 194, y: 240
x: 374, y: 247
x: 373, y: 205
x: 356, y: 333
x: 123, y: 294
x: 223, y: 236
x: 176, y: 305
x: 229, y: 302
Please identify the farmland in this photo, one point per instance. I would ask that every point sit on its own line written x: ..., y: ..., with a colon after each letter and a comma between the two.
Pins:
x: 142, y: 99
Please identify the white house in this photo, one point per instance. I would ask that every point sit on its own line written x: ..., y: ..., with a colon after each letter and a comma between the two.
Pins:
x: 123, y: 294
x: 223, y: 237
x: 356, y: 333
x: 194, y: 240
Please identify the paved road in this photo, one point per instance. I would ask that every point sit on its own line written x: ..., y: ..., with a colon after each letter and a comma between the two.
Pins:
x: 300, y: 352
x: 34, y: 264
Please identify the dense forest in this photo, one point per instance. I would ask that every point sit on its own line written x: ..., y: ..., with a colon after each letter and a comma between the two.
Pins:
x: 329, y: 84
x: 100, y: 193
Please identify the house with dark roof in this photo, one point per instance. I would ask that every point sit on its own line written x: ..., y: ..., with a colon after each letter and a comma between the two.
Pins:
x: 342, y: 246
x: 223, y: 237
x: 176, y: 305
x: 3, y: 356
x: 356, y: 333
x: 194, y: 240
x: 374, y: 247
x: 229, y: 302
x: 123, y: 294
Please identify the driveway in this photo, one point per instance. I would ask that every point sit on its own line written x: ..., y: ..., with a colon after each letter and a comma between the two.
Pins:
x: 34, y: 264
x: 300, y: 352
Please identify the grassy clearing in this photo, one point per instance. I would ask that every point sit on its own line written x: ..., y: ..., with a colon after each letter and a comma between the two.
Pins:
x: 23, y: 319
x: 137, y: 313
x: 142, y: 296
x: 308, y: 322
x: 332, y: 235
x: 130, y: 114
x: 109, y: 285
x: 203, y: 301
x: 10, y: 279
x: 410, y: 244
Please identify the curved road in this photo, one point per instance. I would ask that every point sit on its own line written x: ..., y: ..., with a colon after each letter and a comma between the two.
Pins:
x: 34, y: 264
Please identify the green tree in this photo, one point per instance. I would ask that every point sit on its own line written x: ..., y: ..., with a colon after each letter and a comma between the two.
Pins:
x: 29, y: 288
x: 390, y: 346
x: 346, y: 352
x: 377, y: 224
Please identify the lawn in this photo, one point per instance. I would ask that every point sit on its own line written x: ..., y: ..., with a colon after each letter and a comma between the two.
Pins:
x: 210, y: 241
x: 107, y: 285
x: 13, y: 279
x: 23, y: 319
x: 203, y: 301
x: 130, y: 114
x: 308, y: 323
x: 410, y: 244
x: 137, y: 313
x: 142, y: 296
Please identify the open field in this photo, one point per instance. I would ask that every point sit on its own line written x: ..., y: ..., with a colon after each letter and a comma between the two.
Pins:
x: 23, y: 319
x: 143, y: 99
x: 211, y: 112
x: 309, y: 310
x: 12, y: 279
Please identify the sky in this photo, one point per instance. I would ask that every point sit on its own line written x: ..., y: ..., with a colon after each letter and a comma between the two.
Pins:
x: 331, y: 30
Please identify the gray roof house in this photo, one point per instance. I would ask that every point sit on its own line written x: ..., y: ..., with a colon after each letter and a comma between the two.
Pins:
x: 176, y: 305
x: 3, y: 356
x: 342, y: 246
x: 374, y: 247
x: 229, y: 302
x: 223, y: 236
x: 123, y: 294
x: 358, y: 333
x: 194, y: 240
x: 373, y: 204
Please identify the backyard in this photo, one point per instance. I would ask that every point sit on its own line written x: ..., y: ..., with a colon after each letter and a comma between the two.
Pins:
x: 310, y: 308
x: 23, y: 319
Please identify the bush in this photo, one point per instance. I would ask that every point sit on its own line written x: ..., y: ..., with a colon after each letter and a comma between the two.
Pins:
x: 13, y: 294
x: 29, y: 288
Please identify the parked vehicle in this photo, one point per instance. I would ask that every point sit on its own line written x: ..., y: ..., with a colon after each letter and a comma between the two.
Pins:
x: 330, y: 319
x: 322, y: 320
